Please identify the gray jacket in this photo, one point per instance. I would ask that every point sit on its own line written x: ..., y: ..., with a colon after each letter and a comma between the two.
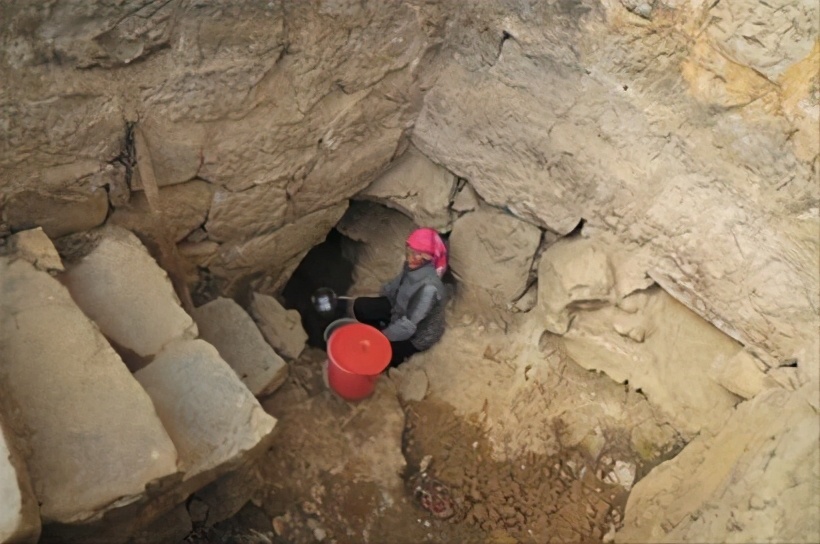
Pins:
x: 418, y: 299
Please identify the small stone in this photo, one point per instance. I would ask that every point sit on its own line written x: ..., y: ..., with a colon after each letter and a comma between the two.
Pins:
x: 643, y: 10
x: 319, y: 534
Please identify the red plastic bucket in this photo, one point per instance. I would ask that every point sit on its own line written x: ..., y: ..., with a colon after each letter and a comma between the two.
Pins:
x: 357, y: 354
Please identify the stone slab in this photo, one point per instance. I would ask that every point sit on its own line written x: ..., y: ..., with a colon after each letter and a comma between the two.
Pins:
x: 417, y: 187
x: 35, y: 246
x: 281, y: 328
x: 58, y: 213
x: 753, y: 479
x: 227, y: 326
x: 210, y: 415
x: 94, y: 437
x: 120, y: 286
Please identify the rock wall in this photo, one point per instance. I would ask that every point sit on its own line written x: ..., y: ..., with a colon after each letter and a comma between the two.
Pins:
x: 285, y: 109
x: 683, y: 135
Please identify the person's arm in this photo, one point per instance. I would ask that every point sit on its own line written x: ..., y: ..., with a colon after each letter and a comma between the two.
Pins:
x: 389, y: 289
x: 405, y: 327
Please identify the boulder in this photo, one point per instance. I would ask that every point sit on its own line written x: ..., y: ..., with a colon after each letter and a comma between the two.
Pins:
x: 494, y: 250
x: 378, y: 236
x: 663, y: 348
x: 466, y: 199
x: 275, y: 254
x: 753, y: 479
x: 59, y: 212
x: 572, y: 272
x: 35, y: 247
x: 281, y: 328
x: 742, y: 375
x: 93, y: 436
x: 225, y: 325
x: 20, y: 514
x: 263, y: 210
x: 210, y: 415
x: 417, y: 187
x: 181, y: 209
x: 120, y: 286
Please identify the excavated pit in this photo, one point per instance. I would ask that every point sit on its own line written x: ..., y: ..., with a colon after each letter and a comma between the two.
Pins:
x: 453, y: 482
x: 629, y: 190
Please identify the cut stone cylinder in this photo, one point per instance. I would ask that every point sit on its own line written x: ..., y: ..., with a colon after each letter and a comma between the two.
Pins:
x: 93, y: 435
x: 121, y: 287
x: 211, y: 416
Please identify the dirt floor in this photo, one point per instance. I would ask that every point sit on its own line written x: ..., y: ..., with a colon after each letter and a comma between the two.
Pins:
x: 523, y: 446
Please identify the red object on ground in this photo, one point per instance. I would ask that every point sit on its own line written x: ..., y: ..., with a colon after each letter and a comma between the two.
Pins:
x: 357, y: 354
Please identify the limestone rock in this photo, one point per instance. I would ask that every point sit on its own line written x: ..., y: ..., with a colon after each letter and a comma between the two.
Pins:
x: 756, y: 477
x: 466, y: 199
x: 175, y: 149
x: 573, y: 272
x: 417, y: 187
x: 121, y: 288
x: 20, y: 516
x: 412, y: 383
x: 226, y: 326
x: 602, y: 141
x: 182, y: 208
x: 494, y: 250
x: 679, y: 348
x: 113, y: 178
x: 379, y: 236
x: 281, y: 328
x: 210, y: 415
x: 263, y: 210
x: 35, y: 247
x: 276, y: 254
x: 742, y: 375
x: 747, y: 33
x: 94, y: 438
x: 58, y: 213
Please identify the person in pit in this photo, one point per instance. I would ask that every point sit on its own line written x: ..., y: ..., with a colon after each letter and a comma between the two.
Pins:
x: 410, y: 310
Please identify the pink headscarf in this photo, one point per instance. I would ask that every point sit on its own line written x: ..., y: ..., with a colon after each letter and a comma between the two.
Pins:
x: 428, y: 241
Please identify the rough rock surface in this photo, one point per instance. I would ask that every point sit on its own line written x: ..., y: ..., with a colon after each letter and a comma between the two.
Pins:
x: 20, y: 516
x: 227, y: 326
x: 210, y: 415
x: 573, y: 273
x: 607, y: 117
x: 181, y: 209
x: 121, y: 288
x: 753, y: 480
x: 378, y: 236
x: 275, y: 255
x: 84, y: 455
x: 58, y: 213
x: 494, y: 250
x: 35, y: 247
x: 657, y: 345
x: 742, y: 374
x: 281, y: 328
x: 417, y: 187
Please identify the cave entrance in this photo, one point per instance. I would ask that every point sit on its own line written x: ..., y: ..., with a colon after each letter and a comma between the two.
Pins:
x: 329, y: 264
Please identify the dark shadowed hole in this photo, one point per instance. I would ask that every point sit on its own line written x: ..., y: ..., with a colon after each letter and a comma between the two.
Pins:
x: 325, y: 265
